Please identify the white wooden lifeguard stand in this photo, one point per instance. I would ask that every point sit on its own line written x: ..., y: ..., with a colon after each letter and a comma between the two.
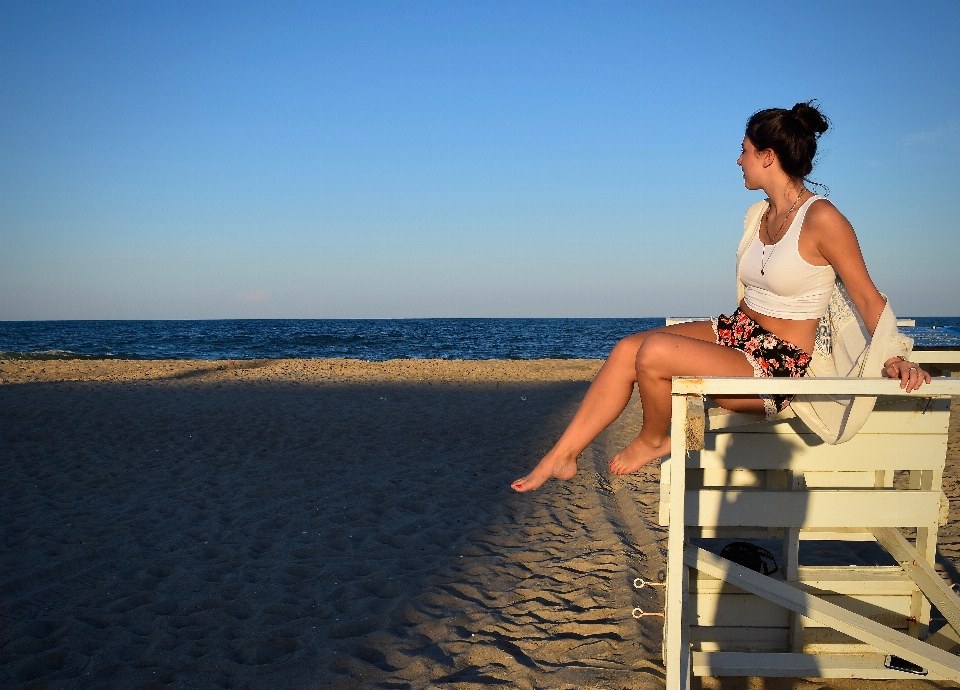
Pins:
x: 736, y: 476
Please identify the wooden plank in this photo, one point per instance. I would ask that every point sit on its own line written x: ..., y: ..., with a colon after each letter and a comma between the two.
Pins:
x: 738, y: 638
x: 786, y: 665
x: 683, y: 385
x: 664, y: 508
x: 686, y: 659
x: 676, y: 659
x: 922, y: 573
x: 806, y: 533
x: 835, y: 534
x: 856, y: 579
x: 828, y: 640
x: 721, y: 476
x: 736, y: 609
x: 750, y: 610
x: 884, y: 580
x: 819, y: 479
x: 740, y: 533
x: 815, y: 508
x: 888, y: 641
x: 890, y: 415
x: 806, y: 452
x: 935, y: 356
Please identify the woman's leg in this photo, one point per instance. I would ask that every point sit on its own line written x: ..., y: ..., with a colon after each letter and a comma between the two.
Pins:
x: 606, y: 398
x: 659, y: 359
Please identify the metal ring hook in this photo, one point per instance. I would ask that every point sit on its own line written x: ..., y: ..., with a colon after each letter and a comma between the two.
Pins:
x: 640, y: 613
x: 640, y: 583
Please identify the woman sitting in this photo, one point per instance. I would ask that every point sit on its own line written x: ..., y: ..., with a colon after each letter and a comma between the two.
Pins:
x: 799, y: 256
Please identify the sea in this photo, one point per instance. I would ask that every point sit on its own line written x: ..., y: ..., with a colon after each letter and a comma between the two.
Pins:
x: 366, y: 339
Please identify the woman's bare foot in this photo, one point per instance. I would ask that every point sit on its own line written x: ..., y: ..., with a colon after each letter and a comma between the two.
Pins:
x: 638, y: 454
x: 557, y: 467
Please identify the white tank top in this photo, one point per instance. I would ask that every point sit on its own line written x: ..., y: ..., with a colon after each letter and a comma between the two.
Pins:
x: 788, y: 287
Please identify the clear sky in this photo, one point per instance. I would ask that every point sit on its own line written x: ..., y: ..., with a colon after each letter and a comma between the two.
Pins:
x: 418, y: 159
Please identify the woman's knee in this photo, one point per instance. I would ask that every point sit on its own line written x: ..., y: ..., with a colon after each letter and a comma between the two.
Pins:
x: 626, y: 348
x: 652, y: 352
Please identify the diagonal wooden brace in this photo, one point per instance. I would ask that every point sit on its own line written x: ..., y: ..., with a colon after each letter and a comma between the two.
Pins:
x: 883, y: 638
x: 921, y: 572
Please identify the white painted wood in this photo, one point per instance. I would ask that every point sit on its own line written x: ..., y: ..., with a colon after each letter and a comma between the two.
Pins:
x: 676, y: 665
x: 835, y: 534
x: 843, y: 489
x: 939, y: 386
x: 722, y: 477
x: 891, y: 415
x: 906, y: 323
x: 867, y: 631
x: 738, y: 638
x: 806, y: 533
x: 921, y: 572
x: 740, y: 533
x: 806, y: 452
x: 867, y: 666
x: 935, y: 356
x: 686, y: 659
x: 752, y: 611
x: 830, y: 641
x: 815, y: 479
x: 665, y: 474
x: 853, y: 580
x: 736, y: 609
x: 815, y: 508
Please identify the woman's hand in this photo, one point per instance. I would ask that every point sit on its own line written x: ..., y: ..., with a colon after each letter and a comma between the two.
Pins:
x: 910, y: 374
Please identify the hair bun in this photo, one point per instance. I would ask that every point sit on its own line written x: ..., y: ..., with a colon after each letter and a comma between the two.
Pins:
x: 811, y: 119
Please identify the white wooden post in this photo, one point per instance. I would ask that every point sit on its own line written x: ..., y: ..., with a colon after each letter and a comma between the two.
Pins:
x: 676, y: 657
x: 791, y: 565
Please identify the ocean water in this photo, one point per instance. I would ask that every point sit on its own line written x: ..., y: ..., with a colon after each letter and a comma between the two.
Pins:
x: 369, y: 339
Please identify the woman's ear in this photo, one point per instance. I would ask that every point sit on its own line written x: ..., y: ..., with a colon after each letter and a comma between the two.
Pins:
x: 767, y: 157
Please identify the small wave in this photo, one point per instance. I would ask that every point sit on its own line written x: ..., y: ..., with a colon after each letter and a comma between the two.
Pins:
x: 60, y: 354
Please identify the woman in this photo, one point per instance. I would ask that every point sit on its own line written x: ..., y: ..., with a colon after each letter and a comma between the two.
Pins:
x: 799, y: 255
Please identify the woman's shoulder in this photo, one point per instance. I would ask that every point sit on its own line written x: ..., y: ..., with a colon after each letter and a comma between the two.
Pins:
x: 823, y: 215
x: 829, y: 230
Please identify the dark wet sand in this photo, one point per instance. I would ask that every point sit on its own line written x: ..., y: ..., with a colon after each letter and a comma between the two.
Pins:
x: 325, y: 524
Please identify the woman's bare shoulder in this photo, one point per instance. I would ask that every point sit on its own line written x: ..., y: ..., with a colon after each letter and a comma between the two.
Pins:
x: 824, y: 217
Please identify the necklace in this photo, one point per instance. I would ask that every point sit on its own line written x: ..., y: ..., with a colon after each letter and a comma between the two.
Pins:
x: 764, y: 258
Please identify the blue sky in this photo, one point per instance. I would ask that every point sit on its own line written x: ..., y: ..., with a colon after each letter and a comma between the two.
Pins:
x: 420, y: 159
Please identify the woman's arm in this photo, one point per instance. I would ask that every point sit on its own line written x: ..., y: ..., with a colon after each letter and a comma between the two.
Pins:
x: 836, y: 242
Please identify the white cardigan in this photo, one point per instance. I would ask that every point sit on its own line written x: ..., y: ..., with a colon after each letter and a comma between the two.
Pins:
x: 843, y: 347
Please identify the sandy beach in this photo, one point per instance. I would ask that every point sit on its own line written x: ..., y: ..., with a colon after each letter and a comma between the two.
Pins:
x: 328, y: 524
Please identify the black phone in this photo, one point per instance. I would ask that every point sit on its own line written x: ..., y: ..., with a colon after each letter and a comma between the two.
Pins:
x: 895, y: 663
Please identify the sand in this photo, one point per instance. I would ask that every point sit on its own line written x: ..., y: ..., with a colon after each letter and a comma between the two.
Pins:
x: 326, y: 524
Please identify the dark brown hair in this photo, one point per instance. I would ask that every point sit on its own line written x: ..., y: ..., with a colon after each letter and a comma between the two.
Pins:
x: 792, y: 134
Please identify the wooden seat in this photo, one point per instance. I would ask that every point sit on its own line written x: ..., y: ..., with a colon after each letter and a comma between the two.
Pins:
x: 775, y: 483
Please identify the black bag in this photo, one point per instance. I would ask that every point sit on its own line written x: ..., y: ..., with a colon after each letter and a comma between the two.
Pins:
x: 749, y: 556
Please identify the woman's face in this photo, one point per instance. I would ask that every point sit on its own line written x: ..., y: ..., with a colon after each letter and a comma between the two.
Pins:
x: 751, y: 162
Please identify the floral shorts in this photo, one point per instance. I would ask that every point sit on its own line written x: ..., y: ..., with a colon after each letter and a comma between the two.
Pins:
x: 767, y: 354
